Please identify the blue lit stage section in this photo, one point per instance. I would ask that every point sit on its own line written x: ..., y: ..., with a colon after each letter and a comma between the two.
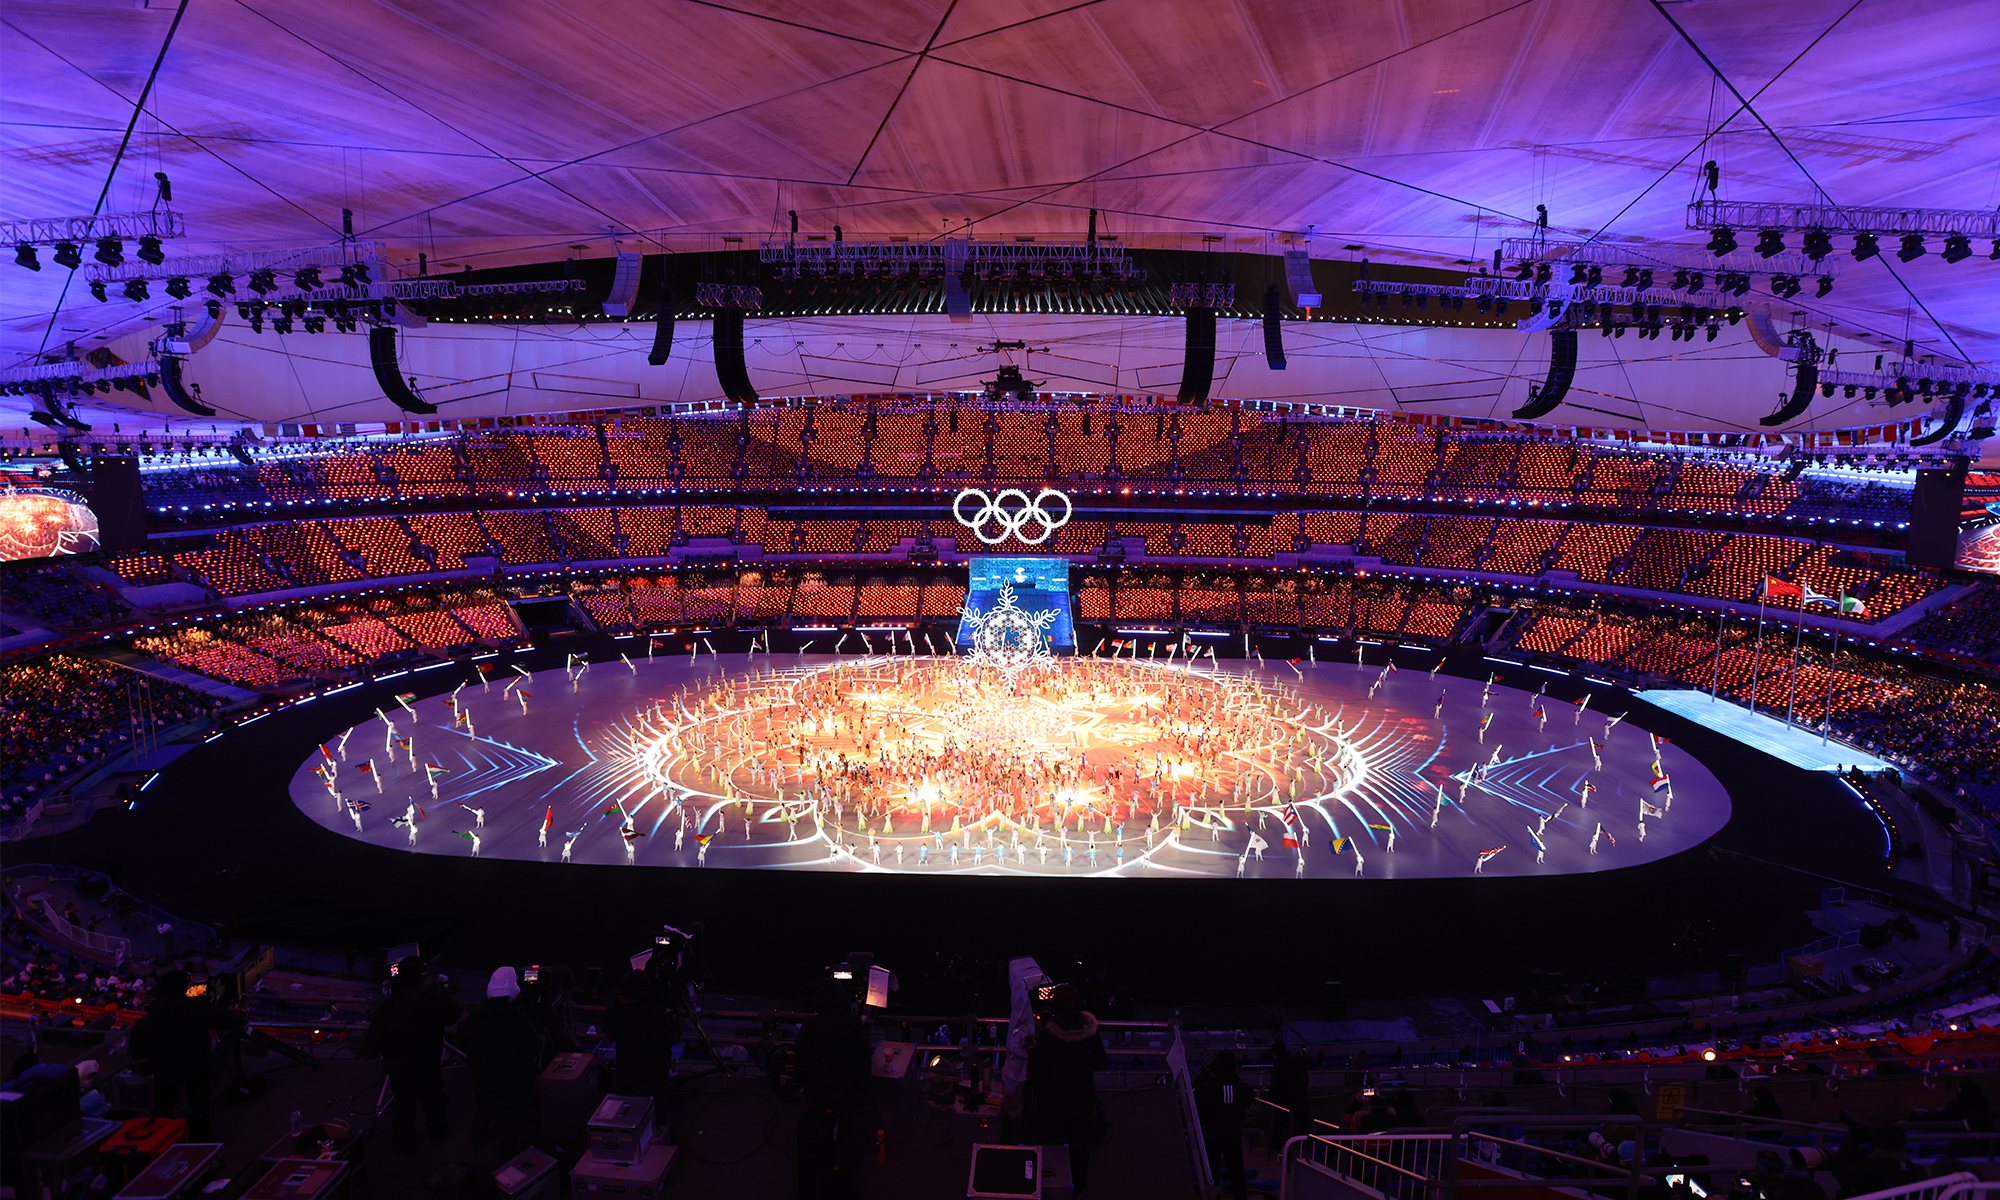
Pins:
x: 1797, y: 746
x: 1040, y: 583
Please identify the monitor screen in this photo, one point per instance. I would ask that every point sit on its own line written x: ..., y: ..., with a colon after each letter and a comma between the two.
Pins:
x: 43, y: 522
x: 1038, y: 584
x: 1979, y: 543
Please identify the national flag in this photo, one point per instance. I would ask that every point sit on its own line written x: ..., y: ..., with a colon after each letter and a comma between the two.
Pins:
x: 1392, y: 669
x: 358, y: 805
x: 368, y: 766
x: 1775, y: 588
x: 1339, y: 843
x: 432, y: 771
x: 614, y: 809
x: 1486, y: 720
x: 704, y: 838
x: 525, y: 694
x: 549, y: 822
x: 1852, y: 604
x: 1290, y: 816
x: 631, y: 835
x: 405, y: 697
x: 1812, y: 597
x: 1660, y: 780
x: 448, y: 701
x: 1296, y: 661
x: 485, y: 668
x: 328, y: 754
x: 461, y: 833
x: 403, y: 742
x: 1383, y: 828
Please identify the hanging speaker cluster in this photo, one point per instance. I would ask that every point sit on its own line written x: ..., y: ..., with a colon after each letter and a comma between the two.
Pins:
x: 1543, y: 399
x: 389, y: 372
x: 730, y: 370
x: 1198, y: 365
x: 1274, y: 330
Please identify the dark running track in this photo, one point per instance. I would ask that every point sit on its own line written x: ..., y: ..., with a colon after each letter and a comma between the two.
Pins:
x: 217, y: 838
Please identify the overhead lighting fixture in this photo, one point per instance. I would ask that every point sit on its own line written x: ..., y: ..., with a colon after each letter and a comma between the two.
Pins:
x: 24, y: 256
x: 98, y: 290
x: 1866, y: 246
x: 264, y: 282
x: 150, y: 252
x: 1721, y: 241
x: 306, y: 279
x: 1825, y: 286
x: 110, y: 252
x: 221, y: 284
x: 1913, y: 247
x: 1817, y: 244
x: 178, y: 288
x: 68, y: 254
x: 1957, y: 248
x: 135, y: 289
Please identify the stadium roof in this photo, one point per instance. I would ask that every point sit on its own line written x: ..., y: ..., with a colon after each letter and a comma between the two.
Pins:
x: 492, y: 134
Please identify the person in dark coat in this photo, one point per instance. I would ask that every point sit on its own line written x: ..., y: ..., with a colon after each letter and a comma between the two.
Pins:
x: 1220, y: 1099
x: 172, y: 1042
x: 503, y: 1054
x: 832, y: 1057
x: 407, y: 1030
x: 1290, y: 1090
x: 645, y: 1031
x: 1063, y: 1062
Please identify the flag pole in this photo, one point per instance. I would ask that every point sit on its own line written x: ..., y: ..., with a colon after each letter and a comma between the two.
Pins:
x: 1757, y: 662
x: 1832, y: 664
x: 1792, y: 679
x: 1715, y: 664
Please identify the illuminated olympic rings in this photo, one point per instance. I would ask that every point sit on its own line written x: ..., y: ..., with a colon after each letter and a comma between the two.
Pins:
x: 1029, y: 522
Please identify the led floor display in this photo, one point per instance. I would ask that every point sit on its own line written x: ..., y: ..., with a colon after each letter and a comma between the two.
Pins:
x: 1082, y: 767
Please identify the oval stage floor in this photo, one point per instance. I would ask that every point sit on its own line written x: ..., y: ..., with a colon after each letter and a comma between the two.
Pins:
x: 925, y: 766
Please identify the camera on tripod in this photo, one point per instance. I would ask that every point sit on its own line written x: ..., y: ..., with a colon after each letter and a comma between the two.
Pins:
x: 869, y: 984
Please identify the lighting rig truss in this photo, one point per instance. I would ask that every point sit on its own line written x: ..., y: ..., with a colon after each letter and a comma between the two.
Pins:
x: 351, y: 264
x: 1819, y: 222
x: 72, y: 377
x: 796, y: 259
x: 727, y: 295
x: 1201, y: 295
x: 1562, y: 305
x: 153, y: 225
x: 1681, y: 268
x: 529, y: 287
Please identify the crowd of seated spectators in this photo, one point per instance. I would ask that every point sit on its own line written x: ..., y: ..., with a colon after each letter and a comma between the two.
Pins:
x: 58, y: 596
x: 33, y: 970
x: 1378, y: 459
x: 59, y: 714
x: 1969, y: 626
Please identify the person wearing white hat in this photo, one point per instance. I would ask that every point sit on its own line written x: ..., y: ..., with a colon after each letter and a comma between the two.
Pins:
x: 503, y: 1054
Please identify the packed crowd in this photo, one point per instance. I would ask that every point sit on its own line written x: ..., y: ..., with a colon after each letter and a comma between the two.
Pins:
x: 33, y: 970
x: 60, y: 713
x: 1372, y: 459
x: 1969, y: 626
x: 56, y: 595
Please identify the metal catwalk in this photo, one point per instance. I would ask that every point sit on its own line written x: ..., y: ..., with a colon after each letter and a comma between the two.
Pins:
x: 1089, y: 767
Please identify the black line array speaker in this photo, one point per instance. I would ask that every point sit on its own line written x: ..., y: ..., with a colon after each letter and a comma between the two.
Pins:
x: 1274, y: 330
x: 1935, y: 505
x: 1198, y: 367
x: 663, y: 321
x: 170, y: 383
x: 389, y: 373
x: 730, y: 370
x: 1562, y: 371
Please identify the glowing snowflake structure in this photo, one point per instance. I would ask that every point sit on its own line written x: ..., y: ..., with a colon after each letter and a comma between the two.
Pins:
x: 1008, y: 637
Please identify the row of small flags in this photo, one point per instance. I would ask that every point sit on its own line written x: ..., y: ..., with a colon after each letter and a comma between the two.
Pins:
x: 1777, y: 589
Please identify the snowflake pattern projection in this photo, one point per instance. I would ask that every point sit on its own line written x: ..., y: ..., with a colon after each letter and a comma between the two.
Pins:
x: 1008, y: 637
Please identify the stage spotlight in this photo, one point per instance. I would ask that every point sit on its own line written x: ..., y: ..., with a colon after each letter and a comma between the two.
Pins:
x: 1816, y: 244
x: 306, y: 279
x: 264, y: 282
x: 1770, y: 242
x: 1826, y: 390
x: 1866, y: 246
x: 150, y: 252
x: 221, y: 284
x: 1825, y: 286
x: 281, y: 324
x: 110, y: 252
x: 1849, y: 391
x: 1680, y: 283
x: 1645, y: 278
x: 24, y: 256
x: 1868, y: 393
x: 135, y: 289
x: 1631, y: 279
x: 68, y: 254
x: 354, y: 275
x: 1957, y: 248
x: 256, y: 320
x: 315, y: 324
x: 178, y: 288
x: 1695, y: 281
x: 1721, y: 241
x: 1596, y: 276
x: 1913, y: 247
x: 1578, y: 273
x: 98, y: 290
x: 1544, y: 272
x: 214, y: 308
x: 1525, y: 271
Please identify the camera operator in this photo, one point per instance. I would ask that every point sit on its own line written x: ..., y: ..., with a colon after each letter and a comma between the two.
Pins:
x: 1063, y: 1058
x: 407, y: 1030
x: 644, y: 1031
x: 832, y: 1055
x: 172, y: 1043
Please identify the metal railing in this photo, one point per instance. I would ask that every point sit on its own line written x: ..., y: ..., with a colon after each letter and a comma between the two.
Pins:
x: 195, y: 932
x: 1412, y: 1166
x: 118, y: 948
